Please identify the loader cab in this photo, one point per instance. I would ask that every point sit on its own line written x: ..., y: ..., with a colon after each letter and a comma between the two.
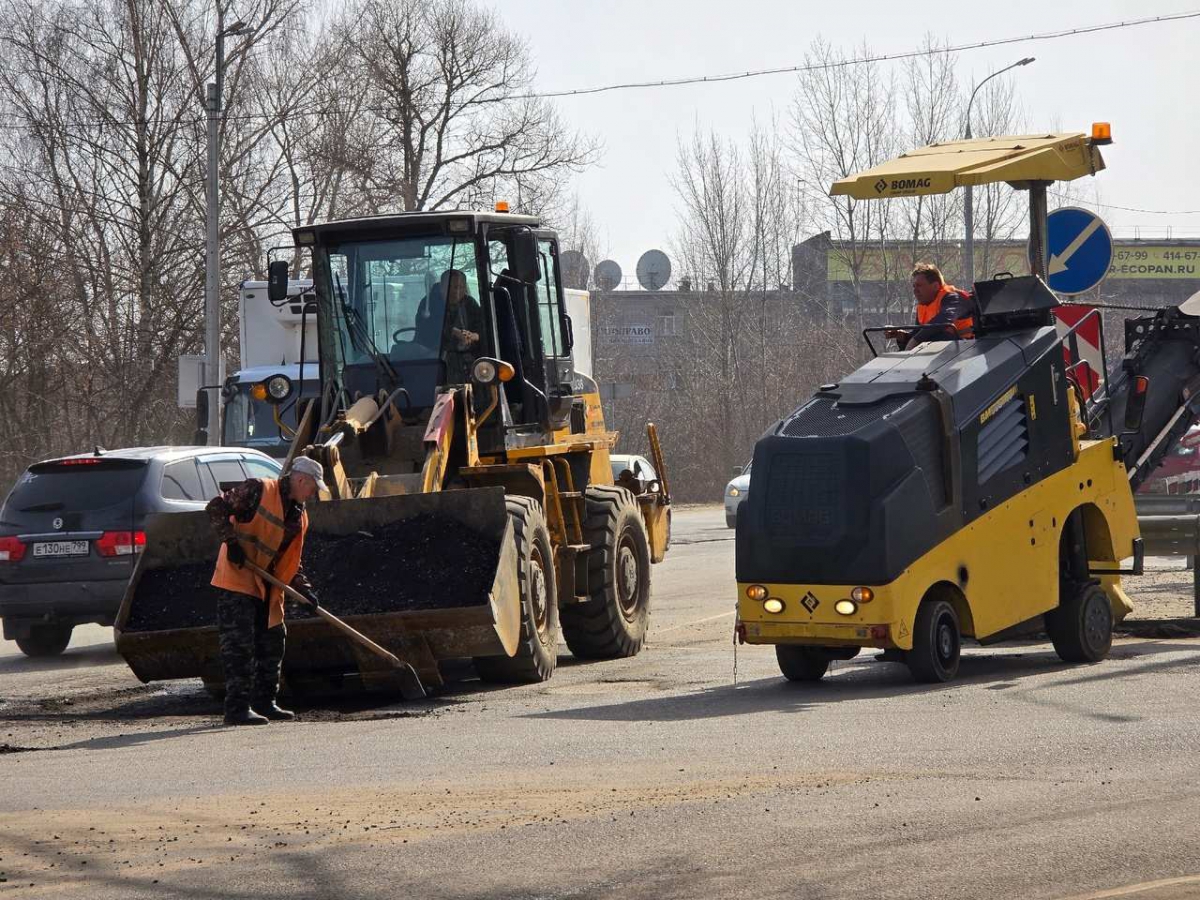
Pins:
x: 412, y: 300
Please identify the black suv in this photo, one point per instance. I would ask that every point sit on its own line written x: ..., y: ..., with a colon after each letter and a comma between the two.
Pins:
x: 71, y: 528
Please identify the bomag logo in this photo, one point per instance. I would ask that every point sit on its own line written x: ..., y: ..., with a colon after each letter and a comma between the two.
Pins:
x: 901, y: 185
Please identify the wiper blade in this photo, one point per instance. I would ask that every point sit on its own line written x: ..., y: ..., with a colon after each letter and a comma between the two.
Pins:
x: 361, y: 337
x: 42, y: 507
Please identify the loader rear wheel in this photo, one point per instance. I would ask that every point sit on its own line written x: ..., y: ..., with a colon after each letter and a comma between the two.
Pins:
x: 612, y: 623
x: 801, y: 663
x: 1081, y: 625
x: 45, y: 640
x: 937, y: 643
x: 537, y: 649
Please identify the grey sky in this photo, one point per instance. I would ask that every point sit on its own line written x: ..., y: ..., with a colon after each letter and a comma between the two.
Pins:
x: 1144, y: 80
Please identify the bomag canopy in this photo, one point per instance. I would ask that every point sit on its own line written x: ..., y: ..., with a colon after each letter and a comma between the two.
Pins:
x: 939, y: 168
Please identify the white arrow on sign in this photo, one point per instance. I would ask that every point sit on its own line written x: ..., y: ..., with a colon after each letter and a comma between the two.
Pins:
x: 1059, y: 261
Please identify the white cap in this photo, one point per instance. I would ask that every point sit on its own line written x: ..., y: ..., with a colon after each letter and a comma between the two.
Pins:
x: 303, y: 465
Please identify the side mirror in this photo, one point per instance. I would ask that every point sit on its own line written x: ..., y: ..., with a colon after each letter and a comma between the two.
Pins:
x: 1135, y: 407
x: 569, y: 335
x: 277, y: 280
x: 524, y: 261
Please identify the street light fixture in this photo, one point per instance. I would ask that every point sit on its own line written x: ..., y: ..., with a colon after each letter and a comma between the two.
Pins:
x: 212, y: 256
x: 969, y: 200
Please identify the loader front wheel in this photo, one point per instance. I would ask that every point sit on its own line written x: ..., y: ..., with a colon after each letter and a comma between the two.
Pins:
x: 612, y: 623
x: 1080, y: 627
x: 537, y: 650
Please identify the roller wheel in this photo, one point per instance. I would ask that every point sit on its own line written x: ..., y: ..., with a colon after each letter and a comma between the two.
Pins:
x: 612, y: 623
x: 45, y: 640
x: 801, y: 663
x: 937, y: 643
x: 1081, y: 625
x: 537, y: 650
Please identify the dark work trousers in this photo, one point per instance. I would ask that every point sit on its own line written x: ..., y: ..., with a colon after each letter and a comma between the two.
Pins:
x: 251, y: 653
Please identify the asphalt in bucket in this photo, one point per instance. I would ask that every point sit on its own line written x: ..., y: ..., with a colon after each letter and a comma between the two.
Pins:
x: 426, y: 562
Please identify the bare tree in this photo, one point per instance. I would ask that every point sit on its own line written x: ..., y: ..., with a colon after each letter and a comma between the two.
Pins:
x: 843, y: 122
x: 933, y: 224
x: 448, y: 119
x: 1000, y: 210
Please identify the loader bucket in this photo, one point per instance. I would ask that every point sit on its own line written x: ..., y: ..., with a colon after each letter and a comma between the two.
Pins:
x: 427, y: 576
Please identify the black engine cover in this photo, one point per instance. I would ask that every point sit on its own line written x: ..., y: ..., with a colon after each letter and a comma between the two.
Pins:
x: 867, y: 477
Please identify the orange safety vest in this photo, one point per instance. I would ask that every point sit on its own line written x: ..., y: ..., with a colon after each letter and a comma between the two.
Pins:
x: 926, y: 312
x: 261, y: 538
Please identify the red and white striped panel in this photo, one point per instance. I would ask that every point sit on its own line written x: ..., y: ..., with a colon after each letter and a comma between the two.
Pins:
x: 1088, y: 369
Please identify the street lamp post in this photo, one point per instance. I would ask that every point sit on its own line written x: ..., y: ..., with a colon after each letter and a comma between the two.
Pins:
x: 212, y: 256
x: 969, y: 199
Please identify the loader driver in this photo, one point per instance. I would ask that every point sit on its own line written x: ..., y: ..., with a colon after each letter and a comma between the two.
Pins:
x: 461, y: 327
x: 942, y: 310
x: 261, y: 522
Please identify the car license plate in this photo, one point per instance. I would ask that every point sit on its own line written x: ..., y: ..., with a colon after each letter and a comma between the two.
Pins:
x: 61, y: 548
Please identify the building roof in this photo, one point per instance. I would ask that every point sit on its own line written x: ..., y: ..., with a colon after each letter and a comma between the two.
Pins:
x: 939, y: 168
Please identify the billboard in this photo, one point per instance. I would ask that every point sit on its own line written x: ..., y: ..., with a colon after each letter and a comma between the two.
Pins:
x: 1131, y: 261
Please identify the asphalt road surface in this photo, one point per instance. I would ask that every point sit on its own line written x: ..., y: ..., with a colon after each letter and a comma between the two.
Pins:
x: 652, y: 777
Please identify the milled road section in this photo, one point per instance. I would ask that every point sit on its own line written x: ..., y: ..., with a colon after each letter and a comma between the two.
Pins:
x: 651, y: 777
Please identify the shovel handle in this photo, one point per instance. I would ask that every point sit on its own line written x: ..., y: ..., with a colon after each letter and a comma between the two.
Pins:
x: 329, y: 617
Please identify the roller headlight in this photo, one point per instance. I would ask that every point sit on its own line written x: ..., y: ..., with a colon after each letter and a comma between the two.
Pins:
x: 756, y: 592
x: 773, y: 605
x: 862, y: 595
x: 845, y: 607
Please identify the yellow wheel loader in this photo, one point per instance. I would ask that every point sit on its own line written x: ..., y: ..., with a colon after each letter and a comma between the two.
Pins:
x: 473, y: 510
x: 964, y: 487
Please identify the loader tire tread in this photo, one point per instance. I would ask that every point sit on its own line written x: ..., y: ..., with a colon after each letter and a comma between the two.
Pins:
x: 602, y: 627
x: 537, y: 654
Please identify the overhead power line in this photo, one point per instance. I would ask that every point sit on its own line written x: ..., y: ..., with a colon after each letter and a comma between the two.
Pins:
x: 860, y: 60
x: 710, y: 79
x: 1134, y: 209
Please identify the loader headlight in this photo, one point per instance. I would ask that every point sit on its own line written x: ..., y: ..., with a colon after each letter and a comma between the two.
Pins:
x: 845, y: 607
x: 276, y: 389
x: 773, y: 605
x: 489, y: 371
x: 756, y: 592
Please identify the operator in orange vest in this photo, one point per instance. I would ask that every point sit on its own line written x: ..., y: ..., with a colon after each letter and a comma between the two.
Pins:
x: 943, y: 311
x: 261, y: 521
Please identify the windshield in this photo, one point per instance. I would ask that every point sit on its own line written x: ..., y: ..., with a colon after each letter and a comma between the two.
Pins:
x: 249, y: 421
x: 390, y: 297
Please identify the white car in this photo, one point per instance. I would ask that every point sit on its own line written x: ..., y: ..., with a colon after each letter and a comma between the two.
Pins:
x: 735, y: 492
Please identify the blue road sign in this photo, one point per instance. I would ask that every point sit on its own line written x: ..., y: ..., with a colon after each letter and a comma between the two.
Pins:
x: 1080, y: 250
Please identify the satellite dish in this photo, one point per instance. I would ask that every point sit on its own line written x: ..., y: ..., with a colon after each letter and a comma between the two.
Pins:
x: 653, y: 270
x: 607, y: 275
x: 575, y: 269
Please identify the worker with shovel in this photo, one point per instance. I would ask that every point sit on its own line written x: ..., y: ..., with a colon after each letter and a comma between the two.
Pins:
x: 261, y: 523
